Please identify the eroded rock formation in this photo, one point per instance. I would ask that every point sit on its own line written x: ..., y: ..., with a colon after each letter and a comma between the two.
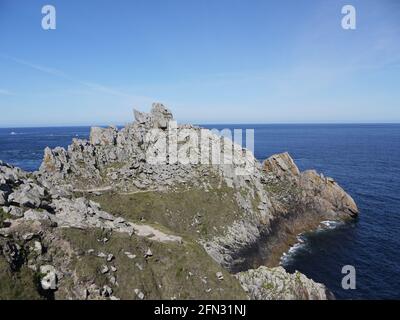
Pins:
x: 107, y: 183
x: 276, y: 284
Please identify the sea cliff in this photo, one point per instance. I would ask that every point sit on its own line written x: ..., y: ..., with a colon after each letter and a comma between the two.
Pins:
x: 103, y: 220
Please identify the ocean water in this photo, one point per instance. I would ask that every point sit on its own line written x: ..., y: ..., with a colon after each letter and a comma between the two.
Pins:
x: 23, y: 147
x: 364, y: 159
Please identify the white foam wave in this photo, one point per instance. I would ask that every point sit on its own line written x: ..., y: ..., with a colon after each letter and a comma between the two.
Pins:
x: 288, y: 256
x: 329, y: 225
x: 302, y: 244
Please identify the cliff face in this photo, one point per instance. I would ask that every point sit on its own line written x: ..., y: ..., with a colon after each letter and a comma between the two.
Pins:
x: 316, y: 192
x: 109, y: 184
x: 276, y: 284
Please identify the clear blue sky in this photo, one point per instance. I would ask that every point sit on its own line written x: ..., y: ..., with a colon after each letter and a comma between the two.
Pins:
x: 210, y: 61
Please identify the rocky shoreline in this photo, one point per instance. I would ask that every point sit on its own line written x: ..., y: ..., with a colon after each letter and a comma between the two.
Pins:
x: 173, y: 230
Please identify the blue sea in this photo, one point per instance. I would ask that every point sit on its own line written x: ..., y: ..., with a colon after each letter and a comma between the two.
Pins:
x: 363, y: 158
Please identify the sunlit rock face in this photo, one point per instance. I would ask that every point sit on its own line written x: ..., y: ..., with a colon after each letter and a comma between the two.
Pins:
x: 107, y: 183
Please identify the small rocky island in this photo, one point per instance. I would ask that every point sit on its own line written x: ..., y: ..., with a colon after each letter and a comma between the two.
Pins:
x: 99, y: 221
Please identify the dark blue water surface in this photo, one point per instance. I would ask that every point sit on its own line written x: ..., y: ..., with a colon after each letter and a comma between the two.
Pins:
x: 364, y: 159
x: 23, y: 147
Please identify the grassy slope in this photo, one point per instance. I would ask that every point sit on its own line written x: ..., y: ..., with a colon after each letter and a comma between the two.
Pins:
x: 20, y: 285
x: 191, y: 213
x: 182, y: 271
x: 165, y: 275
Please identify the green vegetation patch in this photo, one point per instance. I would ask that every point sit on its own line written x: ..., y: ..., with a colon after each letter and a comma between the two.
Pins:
x: 20, y: 285
x: 3, y: 216
x: 190, y: 212
x: 181, y: 271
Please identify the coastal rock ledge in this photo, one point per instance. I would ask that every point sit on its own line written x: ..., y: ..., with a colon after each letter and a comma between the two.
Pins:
x: 276, y: 284
x: 98, y: 220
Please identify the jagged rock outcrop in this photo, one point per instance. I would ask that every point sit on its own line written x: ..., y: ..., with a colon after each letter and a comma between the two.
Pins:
x: 105, y: 137
x: 266, y: 203
x: 282, y: 166
x: 34, y: 202
x: 112, y: 157
x: 276, y: 284
x: 124, y: 166
x: 159, y: 117
x: 19, y: 189
x: 317, y: 192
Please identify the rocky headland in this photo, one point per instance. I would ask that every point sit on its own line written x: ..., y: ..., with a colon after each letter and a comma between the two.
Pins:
x: 98, y: 220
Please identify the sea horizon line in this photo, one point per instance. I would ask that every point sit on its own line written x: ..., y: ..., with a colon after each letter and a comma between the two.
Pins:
x: 196, y: 124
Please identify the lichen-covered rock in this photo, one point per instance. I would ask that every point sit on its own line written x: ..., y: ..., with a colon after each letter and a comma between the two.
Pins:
x: 83, y: 214
x: 14, y: 211
x: 10, y: 174
x: 55, y: 161
x: 18, y: 191
x: 276, y: 284
x: 141, y: 117
x: 103, y: 136
x: 281, y: 165
x: 28, y: 195
x: 36, y: 215
x: 326, y: 195
x: 161, y: 115
x: 317, y: 193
